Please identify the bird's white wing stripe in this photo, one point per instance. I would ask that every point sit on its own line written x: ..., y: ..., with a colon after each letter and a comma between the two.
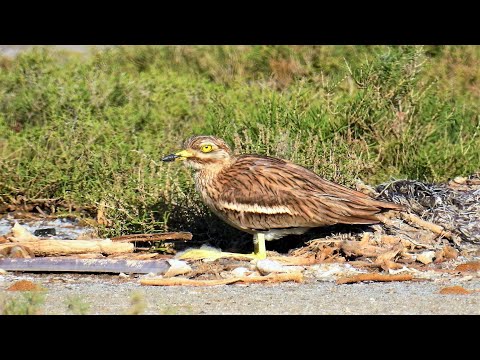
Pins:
x: 255, y: 208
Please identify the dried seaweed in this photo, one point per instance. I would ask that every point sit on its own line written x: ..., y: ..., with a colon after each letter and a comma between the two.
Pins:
x: 454, y: 206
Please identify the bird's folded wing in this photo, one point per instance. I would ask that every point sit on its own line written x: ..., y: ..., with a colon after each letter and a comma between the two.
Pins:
x: 295, y: 196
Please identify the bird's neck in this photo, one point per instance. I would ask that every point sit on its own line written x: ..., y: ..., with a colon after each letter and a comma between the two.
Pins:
x: 209, y: 173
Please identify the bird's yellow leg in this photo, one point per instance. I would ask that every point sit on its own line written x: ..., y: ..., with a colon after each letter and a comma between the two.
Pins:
x: 213, y: 254
x: 259, y: 249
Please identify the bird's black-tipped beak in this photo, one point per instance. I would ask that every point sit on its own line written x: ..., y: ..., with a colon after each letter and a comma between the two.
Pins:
x: 179, y: 156
x: 170, y: 157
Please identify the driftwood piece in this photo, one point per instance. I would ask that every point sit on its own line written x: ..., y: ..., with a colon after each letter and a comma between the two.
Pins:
x: 374, y: 277
x: 70, y: 247
x: 271, y: 278
x: 154, y: 237
x: 437, y: 229
x: 52, y: 264
x: 292, y: 260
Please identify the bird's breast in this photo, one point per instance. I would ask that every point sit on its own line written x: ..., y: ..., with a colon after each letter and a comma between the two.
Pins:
x: 207, y: 188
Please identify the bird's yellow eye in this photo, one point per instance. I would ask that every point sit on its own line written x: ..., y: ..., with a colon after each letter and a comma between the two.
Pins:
x: 207, y: 148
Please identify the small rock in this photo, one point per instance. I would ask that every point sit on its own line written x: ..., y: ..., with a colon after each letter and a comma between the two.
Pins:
x: 426, y: 257
x: 267, y: 266
x: 177, y: 267
x: 330, y: 271
x: 151, y: 274
x: 21, y: 234
x: 241, y: 271
x: 123, y: 275
x: 45, y: 232
x: 3, y: 272
x: 397, y: 271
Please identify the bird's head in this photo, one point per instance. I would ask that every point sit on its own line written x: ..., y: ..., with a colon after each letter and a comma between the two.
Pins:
x: 203, y: 152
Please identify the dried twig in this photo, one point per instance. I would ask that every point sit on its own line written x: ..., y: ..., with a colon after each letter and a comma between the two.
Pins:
x: 437, y: 229
x: 374, y: 277
x: 294, y: 260
x: 272, y: 278
x: 153, y: 237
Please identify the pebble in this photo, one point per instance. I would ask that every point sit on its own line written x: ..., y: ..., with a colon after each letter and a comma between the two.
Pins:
x: 177, y: 267
x: 426, y: 257
x: 241, y: 271
x: 267, y: 266
x: 330, y: 272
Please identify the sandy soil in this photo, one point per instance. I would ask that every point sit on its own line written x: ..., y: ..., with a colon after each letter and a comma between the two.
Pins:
x: 111, y: 294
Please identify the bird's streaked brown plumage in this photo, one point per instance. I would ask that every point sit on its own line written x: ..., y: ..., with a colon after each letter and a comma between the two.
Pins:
x: 261, y: 194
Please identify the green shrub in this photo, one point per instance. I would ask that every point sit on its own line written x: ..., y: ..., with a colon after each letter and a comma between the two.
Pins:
x: 90, y: 131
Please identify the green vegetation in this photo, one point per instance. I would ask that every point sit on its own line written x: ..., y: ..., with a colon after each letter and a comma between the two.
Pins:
x: 138, y: 304
x: 90, y: 131
x: 76, y: 305
x: 29, y: 303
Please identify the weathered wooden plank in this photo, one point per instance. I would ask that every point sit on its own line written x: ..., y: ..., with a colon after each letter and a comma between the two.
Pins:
x: 69, y: 247
x: 59, y: 264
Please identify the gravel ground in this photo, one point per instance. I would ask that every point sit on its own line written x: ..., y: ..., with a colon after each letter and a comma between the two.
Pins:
x: 109, y: 294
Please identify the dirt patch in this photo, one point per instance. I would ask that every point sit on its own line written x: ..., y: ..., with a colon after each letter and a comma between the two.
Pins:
x: 455, y: 290
x: 24, y: 285
x: 472, y: 266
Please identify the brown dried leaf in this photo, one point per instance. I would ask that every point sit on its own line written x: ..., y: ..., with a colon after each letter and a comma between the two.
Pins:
x: 390, y: 240
x: 385, y: 260
x: 445, y: 254
x: 449, y: 252
x: 469, y: 267
x: 356, y: 248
